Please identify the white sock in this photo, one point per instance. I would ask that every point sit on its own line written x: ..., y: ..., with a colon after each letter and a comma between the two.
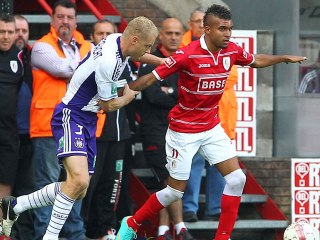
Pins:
x: 179, y: 226
x: 41, y: 198
x: 60, y: 212
x: 162, y: 229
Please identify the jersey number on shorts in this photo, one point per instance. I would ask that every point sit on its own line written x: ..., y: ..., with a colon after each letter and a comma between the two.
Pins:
x: 175, y: 153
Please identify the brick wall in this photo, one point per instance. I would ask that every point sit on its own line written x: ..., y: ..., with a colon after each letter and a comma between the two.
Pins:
x: 130, y: 9
x: 274, y: 175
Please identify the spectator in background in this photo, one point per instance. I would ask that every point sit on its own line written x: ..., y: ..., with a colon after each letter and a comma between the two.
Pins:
x: 157, y: 100
x: 11, y: 74
x: 54, y: 58
x: 310, y: 82
x: 101, y: 202
x: 195, y: 27
x: 24, y: 183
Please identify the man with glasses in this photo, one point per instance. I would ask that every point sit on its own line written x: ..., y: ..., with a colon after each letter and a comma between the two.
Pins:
x: 195, y: 27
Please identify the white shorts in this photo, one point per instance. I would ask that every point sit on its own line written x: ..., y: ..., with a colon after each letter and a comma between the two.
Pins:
x: 214, y: 145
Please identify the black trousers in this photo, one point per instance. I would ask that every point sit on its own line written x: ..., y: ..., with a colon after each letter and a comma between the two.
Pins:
x: 23, y: 229
x: 100, y: 204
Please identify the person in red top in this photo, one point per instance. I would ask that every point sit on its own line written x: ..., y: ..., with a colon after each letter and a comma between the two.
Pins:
x: 194, y: 124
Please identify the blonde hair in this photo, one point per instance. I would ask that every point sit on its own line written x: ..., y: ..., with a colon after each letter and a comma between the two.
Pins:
x: 141, y: 27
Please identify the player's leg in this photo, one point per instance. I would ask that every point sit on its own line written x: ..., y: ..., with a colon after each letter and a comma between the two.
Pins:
x: 191, y: 195
x: 101, y: 215
x: 155, y: 155
x: 72, y: 189
x: 179, y: 158
x: 218, y: 149
x: 75, y: 137
x: 230, y: 201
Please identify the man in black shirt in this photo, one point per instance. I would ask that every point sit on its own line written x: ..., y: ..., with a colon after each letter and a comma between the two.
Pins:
x: 11, y: 71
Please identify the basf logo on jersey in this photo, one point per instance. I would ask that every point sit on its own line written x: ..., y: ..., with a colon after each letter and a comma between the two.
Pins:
x: 246, y: 96
x: 305, y: 191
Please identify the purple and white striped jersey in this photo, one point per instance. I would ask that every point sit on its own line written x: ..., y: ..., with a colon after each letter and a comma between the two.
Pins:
x: 96, y: 76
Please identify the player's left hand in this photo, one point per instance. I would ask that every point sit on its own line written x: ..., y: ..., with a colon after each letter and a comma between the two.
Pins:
x: 295, y: 59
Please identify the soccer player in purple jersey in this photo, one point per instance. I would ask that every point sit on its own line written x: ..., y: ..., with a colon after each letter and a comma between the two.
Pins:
x: 93, y: 87
x: 194, y: 125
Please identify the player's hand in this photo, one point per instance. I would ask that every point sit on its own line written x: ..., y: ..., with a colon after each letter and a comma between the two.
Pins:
x: 295, y: 59
x: 129, y: 93
x: 163, y: 60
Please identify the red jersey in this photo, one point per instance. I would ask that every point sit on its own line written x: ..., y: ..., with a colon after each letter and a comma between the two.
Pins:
x: 202, y: 78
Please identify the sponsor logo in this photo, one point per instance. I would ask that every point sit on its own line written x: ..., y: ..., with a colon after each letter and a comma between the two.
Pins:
x: 170, y: 62
x: 211, y: 84
x: 116, y: 189
x: 204, y: 65
x: 59, y: 216
x: 119, y: 165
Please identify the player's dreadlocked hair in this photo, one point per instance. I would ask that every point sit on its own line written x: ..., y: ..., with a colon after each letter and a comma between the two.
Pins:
x: 218, y: 11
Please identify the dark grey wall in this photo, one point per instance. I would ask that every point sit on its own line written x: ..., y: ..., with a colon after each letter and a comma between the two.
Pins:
x: 294, y: 132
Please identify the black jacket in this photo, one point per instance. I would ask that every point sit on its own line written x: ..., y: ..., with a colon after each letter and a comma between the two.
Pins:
x: 155, y: 104
x: 116, y: 127
x: 11, y: 72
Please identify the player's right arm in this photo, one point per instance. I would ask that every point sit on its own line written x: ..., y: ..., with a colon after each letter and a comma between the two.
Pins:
x: 119, y: 102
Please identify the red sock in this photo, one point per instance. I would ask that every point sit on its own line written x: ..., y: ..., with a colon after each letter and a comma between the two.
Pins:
x: 228, y: 217
x: 151, y: 207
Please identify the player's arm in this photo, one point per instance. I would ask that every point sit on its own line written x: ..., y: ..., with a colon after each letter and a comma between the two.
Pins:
x: 265, y: 60
x: 119, y: 102
x: 143, y: 82
x: 150, y: 59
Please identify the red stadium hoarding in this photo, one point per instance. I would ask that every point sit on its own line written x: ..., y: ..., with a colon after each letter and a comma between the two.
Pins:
x: 305, y: 191
x: 246, y: 91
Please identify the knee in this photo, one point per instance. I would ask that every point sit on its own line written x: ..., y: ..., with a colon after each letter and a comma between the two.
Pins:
x: 79, y: 183
x: 169, y: 195
x: 235, y: 182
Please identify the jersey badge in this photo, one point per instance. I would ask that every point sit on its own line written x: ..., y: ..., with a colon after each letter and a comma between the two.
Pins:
x: 61, y: 143
x: 226, y: 63
x: 170, y: 62
x: 114, y: 88
x: 14, y: 66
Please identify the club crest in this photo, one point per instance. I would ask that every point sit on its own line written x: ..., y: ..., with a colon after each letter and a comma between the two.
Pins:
x: 226, y: 63
x: 78, y: 143
x: 14, y: 66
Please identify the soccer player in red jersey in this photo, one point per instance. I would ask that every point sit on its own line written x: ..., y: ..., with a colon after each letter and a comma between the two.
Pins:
x: 194, y: 125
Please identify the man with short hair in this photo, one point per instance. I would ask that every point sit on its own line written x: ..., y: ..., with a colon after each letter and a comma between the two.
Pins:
x: 194, y: 124
x: 24, y: 183
x: 93, y: 87
x: 102, y: 200
x: 195, y: 27
x: 11, y: 74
